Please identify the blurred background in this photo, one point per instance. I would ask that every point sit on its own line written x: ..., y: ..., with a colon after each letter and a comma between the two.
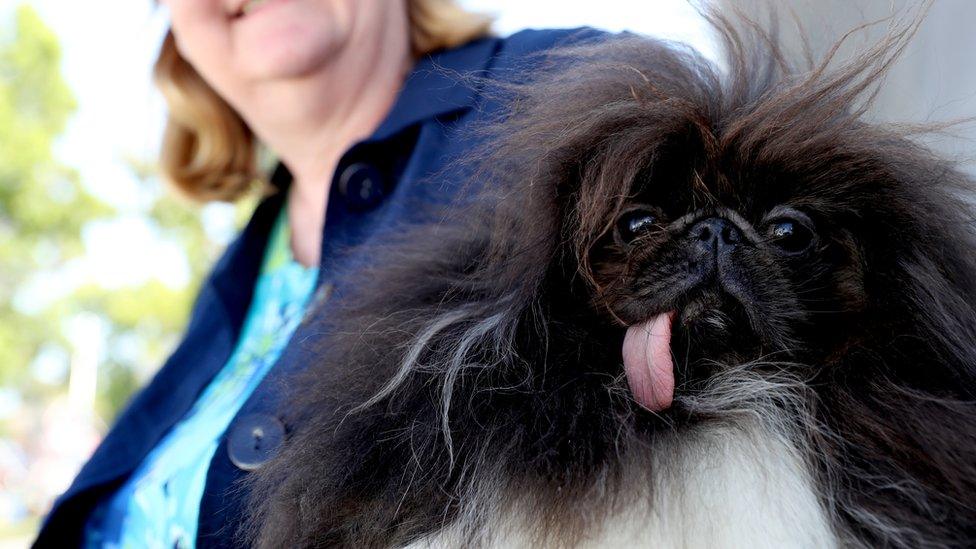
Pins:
x: 99, y: 263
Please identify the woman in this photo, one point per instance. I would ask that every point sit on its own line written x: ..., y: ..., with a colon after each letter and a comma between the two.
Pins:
x: 360, y: 101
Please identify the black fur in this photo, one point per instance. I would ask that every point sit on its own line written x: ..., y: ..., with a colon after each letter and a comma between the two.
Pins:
x: 490, y: 362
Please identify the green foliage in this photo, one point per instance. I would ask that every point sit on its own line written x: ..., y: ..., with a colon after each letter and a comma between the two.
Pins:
x: 43, y: 208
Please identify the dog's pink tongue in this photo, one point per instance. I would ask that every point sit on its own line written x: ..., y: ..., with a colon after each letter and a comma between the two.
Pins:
x: 647, y: 361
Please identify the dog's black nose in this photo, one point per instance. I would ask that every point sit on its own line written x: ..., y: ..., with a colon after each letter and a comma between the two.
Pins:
x: 715, y: 235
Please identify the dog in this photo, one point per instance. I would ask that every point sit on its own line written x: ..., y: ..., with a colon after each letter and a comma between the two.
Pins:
x: 793, y: 290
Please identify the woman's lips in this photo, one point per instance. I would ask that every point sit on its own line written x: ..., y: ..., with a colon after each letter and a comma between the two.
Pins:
x: 648, y: 363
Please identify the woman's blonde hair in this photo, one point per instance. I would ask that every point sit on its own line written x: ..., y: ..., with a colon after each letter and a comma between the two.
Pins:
x: 208, y: 152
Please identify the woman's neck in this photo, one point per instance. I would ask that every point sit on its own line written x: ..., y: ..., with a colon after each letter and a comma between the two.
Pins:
x: 310, y: 122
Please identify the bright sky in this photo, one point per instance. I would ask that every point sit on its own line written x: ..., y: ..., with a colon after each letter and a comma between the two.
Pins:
x: 108, y: 48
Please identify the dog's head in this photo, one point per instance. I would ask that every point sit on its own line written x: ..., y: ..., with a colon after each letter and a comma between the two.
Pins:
x: 746, y: 215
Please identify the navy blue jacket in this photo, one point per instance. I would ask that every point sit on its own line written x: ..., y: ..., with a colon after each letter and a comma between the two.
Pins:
x: 379, y: 183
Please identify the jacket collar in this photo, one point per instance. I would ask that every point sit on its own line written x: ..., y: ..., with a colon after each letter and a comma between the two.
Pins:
x: 436, y: 86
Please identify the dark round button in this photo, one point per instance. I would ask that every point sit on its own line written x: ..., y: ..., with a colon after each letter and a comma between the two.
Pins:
x: 362, y: 186
x: 253, y: 440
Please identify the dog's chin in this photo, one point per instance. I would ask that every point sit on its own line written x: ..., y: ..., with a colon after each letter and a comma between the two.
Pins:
x: 710, y: 329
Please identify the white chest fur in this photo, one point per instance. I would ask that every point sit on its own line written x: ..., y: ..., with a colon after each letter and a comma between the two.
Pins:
x: 720, y: 487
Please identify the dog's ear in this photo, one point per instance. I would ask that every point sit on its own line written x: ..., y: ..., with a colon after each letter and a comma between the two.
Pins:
x: 921, y: 275
x: 586, y: 132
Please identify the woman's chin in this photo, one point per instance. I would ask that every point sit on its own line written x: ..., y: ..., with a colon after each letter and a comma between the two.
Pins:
x: 285, y: 47
x: 283, y: 59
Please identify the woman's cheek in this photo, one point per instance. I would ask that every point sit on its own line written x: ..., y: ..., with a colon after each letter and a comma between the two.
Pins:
x: 202, y: 29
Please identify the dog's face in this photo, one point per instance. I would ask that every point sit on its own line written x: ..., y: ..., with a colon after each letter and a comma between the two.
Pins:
x: 753, y: 262
x: 764, y: 251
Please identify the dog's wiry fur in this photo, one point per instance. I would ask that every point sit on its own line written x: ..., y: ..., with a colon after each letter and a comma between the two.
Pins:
x: 472, y: 392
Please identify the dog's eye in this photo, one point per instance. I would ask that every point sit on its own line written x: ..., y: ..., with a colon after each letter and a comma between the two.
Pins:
x: 792, y: 236
x: 635, y: 223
